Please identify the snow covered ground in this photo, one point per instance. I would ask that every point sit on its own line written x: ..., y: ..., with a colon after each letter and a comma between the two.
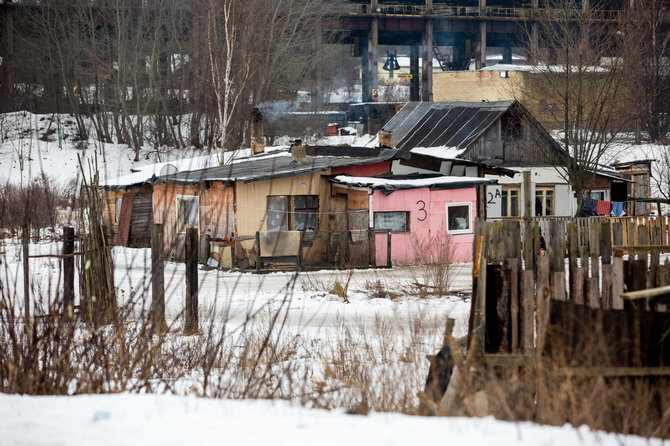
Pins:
x: 169, y: 420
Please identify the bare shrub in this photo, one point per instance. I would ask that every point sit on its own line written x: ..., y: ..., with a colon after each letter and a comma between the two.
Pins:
x: 563, y: 389
x: 36, y: 204
x: 436, y: 256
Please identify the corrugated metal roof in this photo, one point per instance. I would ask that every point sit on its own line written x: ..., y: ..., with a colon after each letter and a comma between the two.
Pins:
x: 442, y: 124
x: 280, y: 166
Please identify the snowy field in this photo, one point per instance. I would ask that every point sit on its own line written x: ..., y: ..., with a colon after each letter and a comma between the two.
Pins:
x: 391, y: 335
x: 168, y: 420
x: 313, y: 314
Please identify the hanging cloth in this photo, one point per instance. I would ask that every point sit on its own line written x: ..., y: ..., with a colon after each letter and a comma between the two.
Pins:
x: 589, y: 207
x: 617, y: 208
x: 603, y: 207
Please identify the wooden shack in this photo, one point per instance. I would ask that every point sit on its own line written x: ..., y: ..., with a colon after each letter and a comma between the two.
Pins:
x: 489, y: 139
x: 277, y: 203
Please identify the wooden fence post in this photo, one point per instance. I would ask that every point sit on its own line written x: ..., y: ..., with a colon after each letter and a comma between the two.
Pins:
x: 258, y: 251
x: 606, y: 259
x: 617, y: 267
x: 343, y: 249
x: 594, y: 282
x: 573, y: 254
x: 511, y: 269
x: 373, y: 247
x: 157, y: 277
x: 388, y: 250
x: 556, y: 254
x: 527, y: 311
x: 26, y: 273
x: 191, y: 260
x: 655, y: 259
x: 68, y: 271
x: 543, y: 301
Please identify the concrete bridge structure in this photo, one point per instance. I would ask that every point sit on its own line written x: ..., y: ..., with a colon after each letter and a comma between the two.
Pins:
x: 427, y: 25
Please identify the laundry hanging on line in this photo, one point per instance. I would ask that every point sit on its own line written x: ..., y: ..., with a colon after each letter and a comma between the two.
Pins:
x: 617, y: 208
x: 603, y: 207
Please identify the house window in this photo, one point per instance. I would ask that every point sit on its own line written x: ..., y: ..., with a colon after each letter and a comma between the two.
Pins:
x: 544, y: 201
x: 119, y: 200
x: 510, y: 202
x: 306, y: 209
x: 188, y: 212
x: 598, y: 194
x: 277, y: 213
x: 298, y: 212
x: 397, y: 221
x: 459, y: 218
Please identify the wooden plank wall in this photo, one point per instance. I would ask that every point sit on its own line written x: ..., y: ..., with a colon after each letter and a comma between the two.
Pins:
x: 581, y: 267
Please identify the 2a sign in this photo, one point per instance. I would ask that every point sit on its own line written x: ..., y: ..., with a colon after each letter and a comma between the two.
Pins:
x: 493, y: 201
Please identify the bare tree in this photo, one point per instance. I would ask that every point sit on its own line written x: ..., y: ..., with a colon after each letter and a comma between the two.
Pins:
x: 648, y: 67
x: 228, y: 77
x: 578, y: 81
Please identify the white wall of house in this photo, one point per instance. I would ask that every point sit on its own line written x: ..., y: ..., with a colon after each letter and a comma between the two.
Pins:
x: 564, y: 202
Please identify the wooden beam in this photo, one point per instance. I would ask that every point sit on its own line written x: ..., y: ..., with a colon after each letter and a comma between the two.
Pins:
x: 661, y: 248
x: 613, y: 371
x: 646, y: 294
x: 492, y: 360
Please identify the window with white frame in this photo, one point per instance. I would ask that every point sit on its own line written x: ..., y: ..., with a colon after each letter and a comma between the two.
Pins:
x: 188, y: 212
x: 598, y: 194
x: 459, y: 218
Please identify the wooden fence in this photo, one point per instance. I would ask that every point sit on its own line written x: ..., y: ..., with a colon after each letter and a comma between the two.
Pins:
x: 533, y: 303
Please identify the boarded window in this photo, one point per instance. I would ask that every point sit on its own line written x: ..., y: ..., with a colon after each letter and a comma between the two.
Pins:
x: 392, y: 221
x: 459, y: 218
x: 188, y: 212
x: 277, y: 213
x: 306, y: 212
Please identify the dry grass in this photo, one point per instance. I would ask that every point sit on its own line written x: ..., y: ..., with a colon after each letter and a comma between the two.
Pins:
x: 435, y: 255
x: 548, y: 395
x: 360, y: 366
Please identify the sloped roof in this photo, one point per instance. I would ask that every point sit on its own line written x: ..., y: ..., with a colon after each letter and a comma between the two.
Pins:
x: 450, y: 124
x: 258, y: 169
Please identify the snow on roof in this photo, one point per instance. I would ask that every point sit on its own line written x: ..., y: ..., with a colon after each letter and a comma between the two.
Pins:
x: 411, y: 183
x: 141, y: 175
x: 443, y: 152
x: 541, y: 68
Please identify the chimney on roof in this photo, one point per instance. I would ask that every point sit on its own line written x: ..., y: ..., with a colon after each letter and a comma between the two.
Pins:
x: 298, y: 152
x: 384, y: 138
x: 257, y: 132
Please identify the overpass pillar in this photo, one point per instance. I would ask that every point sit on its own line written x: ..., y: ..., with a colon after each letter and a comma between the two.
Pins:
x: 366, y: 79
x: 427, y: 65
x: 533, y: 33
x: 481, y: 57
x: 414, y: 71
x: 369, y: 56
x: 507, y: 53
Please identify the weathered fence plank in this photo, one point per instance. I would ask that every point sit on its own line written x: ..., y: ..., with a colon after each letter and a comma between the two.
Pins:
x: 68, y: 271
x: 157, y: 277
x: 191, y: 261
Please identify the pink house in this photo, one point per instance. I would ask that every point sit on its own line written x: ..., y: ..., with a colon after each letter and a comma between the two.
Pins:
x: 430, y: 217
